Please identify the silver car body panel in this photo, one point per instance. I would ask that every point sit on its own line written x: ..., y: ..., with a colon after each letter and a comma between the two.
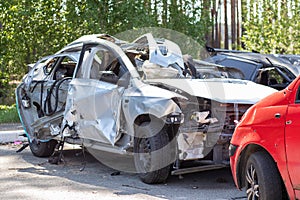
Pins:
x: 221, y: 90
x: 170, y: 54
x: 96, y: 107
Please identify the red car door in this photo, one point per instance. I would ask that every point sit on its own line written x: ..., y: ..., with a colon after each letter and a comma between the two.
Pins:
x: 292, y: 137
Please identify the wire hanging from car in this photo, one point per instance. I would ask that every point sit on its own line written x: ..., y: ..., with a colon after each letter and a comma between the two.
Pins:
x: 48, y: 109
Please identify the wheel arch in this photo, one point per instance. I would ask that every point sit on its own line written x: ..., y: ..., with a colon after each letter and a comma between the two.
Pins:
x: 242, y: 161
x: 172, y: 128
x: 163, y: 146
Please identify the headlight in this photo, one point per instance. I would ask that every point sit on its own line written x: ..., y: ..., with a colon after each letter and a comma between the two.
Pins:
x: 175, y: 118
x: 232, y: 149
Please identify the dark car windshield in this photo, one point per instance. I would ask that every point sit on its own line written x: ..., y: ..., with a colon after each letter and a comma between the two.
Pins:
x: 206, y: 71
x: 247, y: 68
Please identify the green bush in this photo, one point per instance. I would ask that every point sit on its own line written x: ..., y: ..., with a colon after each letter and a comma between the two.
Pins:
x: 9, y: 114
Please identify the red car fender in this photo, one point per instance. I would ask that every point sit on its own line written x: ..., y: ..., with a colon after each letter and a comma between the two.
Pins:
x: 255, y: 137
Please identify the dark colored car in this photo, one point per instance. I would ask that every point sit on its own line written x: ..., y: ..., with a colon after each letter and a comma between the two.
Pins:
x: 264, y: 149
x: 289, y: 58
x: 260, y: 68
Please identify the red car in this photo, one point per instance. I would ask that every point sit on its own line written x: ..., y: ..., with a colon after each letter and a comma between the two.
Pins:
x: 265, y: 147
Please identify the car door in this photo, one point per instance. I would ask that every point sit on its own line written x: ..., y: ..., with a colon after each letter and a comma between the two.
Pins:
x: 292, y: 139
x: 95, y: 95
x: 48, y: 82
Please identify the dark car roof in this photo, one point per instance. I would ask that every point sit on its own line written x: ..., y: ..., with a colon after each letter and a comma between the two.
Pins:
x: 267, y: 60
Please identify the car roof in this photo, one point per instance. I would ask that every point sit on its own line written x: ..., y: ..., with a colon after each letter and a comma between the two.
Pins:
x: 267, y: 60
x: 77, y: 44
x: 92, y: 37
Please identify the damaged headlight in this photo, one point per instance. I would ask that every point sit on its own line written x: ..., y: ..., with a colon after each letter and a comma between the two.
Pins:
x: 201, y: 117
x: 175, y: 118
x: 232, y: 149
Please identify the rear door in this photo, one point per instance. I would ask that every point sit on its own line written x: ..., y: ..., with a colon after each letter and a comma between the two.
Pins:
x: 292, y: 137
x: 48, y: 82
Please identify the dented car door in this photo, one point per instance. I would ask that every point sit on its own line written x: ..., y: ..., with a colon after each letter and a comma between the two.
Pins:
x: 95, y: 95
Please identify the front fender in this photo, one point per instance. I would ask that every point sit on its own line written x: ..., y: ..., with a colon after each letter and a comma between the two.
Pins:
x: 149, y: 100
x: 250, y: 139
x: 158, y: 107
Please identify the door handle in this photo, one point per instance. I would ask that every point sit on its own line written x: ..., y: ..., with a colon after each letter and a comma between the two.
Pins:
x: 277, y: 115
x: 288, y: 122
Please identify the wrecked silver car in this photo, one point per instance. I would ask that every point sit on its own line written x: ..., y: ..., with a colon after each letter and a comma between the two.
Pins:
x: 134, y: 100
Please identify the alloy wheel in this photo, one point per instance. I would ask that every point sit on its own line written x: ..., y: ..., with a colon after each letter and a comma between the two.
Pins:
x: 252, y: 183
x: 145, y: 154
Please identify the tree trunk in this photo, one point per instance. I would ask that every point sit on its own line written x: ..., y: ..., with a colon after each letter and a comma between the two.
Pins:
x: 226, y: 25
x: 238, y: 32
x: 233, y: 24
x: 165, y: 13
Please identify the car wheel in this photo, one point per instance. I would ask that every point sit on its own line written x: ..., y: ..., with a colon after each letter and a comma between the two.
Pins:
x: 42, y: 149
x: 262, y: 178
x: 153, y: 154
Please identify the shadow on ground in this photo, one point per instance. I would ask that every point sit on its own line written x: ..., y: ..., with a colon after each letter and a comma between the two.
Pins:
x: 89, y: 173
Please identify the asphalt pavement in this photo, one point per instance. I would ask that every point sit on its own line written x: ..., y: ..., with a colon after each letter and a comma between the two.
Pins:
x: 24, y: 176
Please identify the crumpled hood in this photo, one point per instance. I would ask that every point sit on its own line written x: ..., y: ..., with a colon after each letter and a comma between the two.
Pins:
x: 221, y: 90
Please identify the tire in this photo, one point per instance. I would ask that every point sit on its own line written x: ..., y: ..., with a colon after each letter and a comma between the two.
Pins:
x: 262, y: 179
x: 153, y: 155
x: 42, y: 149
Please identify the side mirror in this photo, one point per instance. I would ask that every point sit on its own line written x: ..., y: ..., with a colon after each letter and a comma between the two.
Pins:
x: 124, y: 80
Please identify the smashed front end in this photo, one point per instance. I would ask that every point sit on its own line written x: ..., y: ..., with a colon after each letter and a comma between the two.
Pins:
x: 207, y: 130
x: 207, y: 127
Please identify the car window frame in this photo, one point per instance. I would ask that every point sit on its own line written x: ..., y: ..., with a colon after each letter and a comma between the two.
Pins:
x: 297, y: 97
x: 86, y: 64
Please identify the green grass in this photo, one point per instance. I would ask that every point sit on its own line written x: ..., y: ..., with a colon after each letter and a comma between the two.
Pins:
x: 9, y: 114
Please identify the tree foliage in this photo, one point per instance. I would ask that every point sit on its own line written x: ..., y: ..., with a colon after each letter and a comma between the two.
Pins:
x: 30, y: 29
x: 272, y: 26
